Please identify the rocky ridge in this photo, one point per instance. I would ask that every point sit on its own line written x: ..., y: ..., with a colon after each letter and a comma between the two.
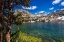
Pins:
x: 41, y: 17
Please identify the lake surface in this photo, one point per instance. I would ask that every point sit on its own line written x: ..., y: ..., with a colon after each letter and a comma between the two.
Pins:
x: 42, y: 30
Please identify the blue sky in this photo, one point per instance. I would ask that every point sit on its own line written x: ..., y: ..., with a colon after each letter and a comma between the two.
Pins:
x: 44, y: 6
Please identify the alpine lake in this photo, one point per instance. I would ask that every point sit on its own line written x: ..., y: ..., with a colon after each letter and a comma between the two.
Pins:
x: 48, y: 30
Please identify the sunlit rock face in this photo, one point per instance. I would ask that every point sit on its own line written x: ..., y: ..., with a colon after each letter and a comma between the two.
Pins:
x: 61, y: 18
x: 55, y: 16
x: 58, y: 12
x: 26, y: 13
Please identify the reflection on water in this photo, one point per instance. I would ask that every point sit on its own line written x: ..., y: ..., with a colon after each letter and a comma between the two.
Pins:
x: 43, y: 30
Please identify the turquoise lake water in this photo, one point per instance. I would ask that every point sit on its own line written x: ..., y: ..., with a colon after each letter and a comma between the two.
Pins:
x: 42, y: 30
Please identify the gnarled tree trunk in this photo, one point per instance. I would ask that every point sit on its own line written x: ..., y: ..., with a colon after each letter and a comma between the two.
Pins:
x: 1, y: 29
x: 1, y: 19
x: 8, y: 32
x: 8, y: 29
x: 0, y: 32
x: 9, y: 22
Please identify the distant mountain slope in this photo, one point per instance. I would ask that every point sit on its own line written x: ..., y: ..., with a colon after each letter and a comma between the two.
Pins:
x: 25, y: 13
x: 59, y: 12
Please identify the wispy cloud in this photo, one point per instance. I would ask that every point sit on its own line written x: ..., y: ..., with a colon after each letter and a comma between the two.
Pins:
x: 30, y: 8
x: 56, y: 2
x: 62, y: 9
x: 51, y: 8
x: 35, y: 13
x: 62, y: 3
x: 41, y: 11
x: 55, y: 10
x: 48, y: 13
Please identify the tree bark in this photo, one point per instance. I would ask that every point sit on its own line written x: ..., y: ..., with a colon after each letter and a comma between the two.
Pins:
x: 1, y: 26
x: 1, y: 19
x: 8, y: 32
x: 8, y: 29
x: 0, y: 32
x: 1, y: 29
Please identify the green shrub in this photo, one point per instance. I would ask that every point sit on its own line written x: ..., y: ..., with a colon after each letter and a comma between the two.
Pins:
x: 62, y: 40
x: 22, y: 37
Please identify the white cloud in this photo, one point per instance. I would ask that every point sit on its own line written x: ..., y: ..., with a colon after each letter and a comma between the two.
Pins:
x: 35, y: 13
x: 54, y: 10
x: 56, y: 2
x: 30, y: 8
x: 51, y: 8
x: 58, y: 9
x: 62, y: 3
x: 62, y: 9
x: 41, y: 12
x: 44, y: 12
x: 48, y: 13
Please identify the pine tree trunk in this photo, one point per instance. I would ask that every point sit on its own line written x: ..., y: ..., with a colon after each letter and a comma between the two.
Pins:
x: 8, y: 29
x: 1, y: 19
x: 8, y: 32
x: 9, y: 22
x: 1, y: 26
x: 1, y: 32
